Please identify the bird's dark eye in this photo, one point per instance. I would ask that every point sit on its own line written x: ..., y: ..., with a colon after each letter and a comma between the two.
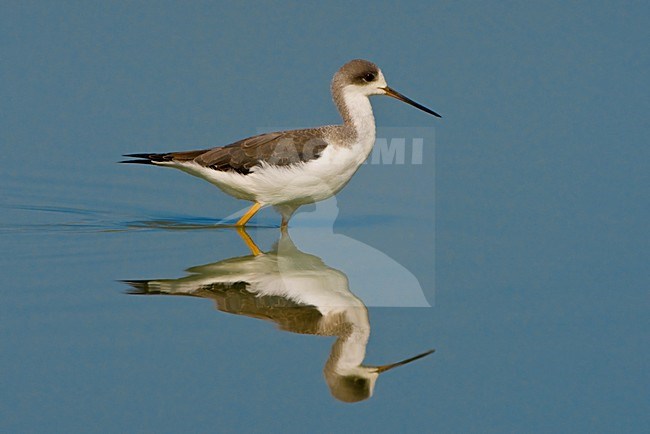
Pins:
x: 368, y: 77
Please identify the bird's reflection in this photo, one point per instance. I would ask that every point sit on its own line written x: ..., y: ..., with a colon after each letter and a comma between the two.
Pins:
x: 299, y: 293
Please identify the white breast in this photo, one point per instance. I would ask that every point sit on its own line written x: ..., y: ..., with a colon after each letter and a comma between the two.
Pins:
x: 301, y: 183
x: 308, y: 182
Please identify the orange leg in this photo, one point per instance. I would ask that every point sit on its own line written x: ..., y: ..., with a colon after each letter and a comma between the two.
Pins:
x: 249, y: 214
x: 249, y: 241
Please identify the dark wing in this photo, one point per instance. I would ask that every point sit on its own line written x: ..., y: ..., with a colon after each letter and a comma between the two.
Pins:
x: 280, y: 149
x: 236, y: 299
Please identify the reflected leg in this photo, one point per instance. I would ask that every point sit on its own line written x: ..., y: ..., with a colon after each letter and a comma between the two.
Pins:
x: 249, y: 241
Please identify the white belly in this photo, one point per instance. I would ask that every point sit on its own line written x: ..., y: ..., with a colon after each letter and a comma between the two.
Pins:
x: 297, y: 184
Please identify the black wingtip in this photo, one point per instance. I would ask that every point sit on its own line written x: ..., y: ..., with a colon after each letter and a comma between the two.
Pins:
x: 148, y: 162
x: 138, y: 287
x: 148, y: 156
x: 148, y: 159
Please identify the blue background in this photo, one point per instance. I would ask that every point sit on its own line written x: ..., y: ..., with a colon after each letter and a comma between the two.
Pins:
x: 526, y: 224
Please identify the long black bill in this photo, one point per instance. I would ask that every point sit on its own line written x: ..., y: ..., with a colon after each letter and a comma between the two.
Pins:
x: 395, y: 94
x: 384, y: 368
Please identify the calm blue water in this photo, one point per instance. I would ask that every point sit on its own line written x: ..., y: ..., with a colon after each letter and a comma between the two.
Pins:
x: 523, y: 226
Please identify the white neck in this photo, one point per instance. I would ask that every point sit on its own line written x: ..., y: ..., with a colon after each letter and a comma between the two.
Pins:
x: 358, y: 111
x: 353, y: 346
